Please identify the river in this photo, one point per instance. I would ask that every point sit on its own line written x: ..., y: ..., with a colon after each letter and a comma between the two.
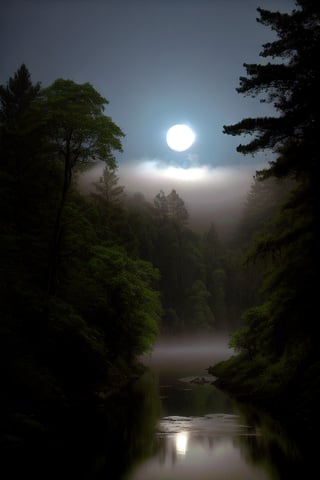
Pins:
x: 200, y: 433
x: 165, y: 426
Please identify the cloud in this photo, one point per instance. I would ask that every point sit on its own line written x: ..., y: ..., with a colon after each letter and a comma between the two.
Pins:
x: 202, y: 184
x: 211, y: 194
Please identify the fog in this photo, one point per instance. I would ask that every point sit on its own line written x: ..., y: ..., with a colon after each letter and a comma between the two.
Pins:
x: 196, y: 350
x: 211, y: 194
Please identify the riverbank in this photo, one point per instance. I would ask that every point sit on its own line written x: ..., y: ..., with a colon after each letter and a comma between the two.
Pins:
x: 292, y: 400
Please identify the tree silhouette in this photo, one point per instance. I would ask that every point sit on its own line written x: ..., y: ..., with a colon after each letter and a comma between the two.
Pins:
x: 282, y: 329
x: 80, y: 134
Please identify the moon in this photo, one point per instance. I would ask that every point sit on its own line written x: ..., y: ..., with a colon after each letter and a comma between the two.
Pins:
x: 180, y: 137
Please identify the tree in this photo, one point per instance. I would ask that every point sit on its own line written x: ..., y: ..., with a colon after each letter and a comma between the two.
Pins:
x: 108, y: 201
x: 171, y: 207
x: 212, y: 248
x: 176, y: 208
x: 214, y: 258
x: 218, y: 292
x: 107, y: 187
x: 262, y: 204
x: 81, y: 134
x: 27, y: 181
x: 161, y: 204
x: 200, y: 314
x: 16, y: 127
x: 286, y: 332
x: 119, y: 299
x: 69, y: 350
x: 291, y: 84
x: 16, y: 96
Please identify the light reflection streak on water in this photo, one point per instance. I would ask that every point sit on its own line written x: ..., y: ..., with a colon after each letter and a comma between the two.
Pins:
x: 201, y: 436
x: 182, y: 442
x: 204, y: 459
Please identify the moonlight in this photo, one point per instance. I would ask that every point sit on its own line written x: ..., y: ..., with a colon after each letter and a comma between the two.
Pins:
x: 180, y: 137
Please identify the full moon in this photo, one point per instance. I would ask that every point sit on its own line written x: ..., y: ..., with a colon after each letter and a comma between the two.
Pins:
x: 180, y: 137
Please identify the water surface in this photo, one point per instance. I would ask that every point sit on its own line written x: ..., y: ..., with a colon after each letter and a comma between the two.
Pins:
x: 200, y: 433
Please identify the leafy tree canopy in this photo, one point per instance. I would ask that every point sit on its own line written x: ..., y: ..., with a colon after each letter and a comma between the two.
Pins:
x: 74, y: 115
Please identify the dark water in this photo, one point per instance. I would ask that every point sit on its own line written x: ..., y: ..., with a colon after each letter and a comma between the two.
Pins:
x: 164, y: 427
x: 198, y: 432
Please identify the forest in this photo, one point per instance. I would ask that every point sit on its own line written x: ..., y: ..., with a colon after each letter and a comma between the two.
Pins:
x: 277, y: 344
x: 89, y: 280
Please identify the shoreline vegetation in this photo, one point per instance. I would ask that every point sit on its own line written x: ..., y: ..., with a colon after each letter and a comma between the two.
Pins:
x: 290, y: 409
x: 277, y: 365
x: 294, y: 403
x: 89, y: 280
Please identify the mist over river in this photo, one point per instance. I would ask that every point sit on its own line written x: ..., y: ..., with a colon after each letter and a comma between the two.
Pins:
x: 172, y: 423
x: 194, y: 353
x: 200, y: 432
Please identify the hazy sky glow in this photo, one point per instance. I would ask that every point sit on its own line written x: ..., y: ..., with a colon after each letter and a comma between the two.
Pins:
x: 158, y: 62
x: 211, y: 194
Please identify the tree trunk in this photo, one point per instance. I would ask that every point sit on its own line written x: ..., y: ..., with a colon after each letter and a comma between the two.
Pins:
x: 57, y: 231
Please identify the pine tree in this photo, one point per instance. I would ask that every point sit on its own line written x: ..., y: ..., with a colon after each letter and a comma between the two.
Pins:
x: 171, y: 207
x: 285, y: 360
x: 291, y: 84
x: 17, y: 95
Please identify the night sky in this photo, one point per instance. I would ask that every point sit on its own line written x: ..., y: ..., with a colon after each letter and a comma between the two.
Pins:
x: 158, y: 62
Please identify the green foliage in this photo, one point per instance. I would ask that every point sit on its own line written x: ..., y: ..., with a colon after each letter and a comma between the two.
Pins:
x: 171, y: 207
x: 251, y: 337
x: 180, y: 264
x: 201, y: 316
x: 218, y: 282
x: 263, y: 203
x: 291, y: 86
x: 132, y: 309
x: 162, y: 238
x: 78, y: 132
x: 61, y: 346
x: 278, y: 340
x: 107, y: 187
x: 83, y: 357
x: 74, y: 117
x: 16, y: 97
